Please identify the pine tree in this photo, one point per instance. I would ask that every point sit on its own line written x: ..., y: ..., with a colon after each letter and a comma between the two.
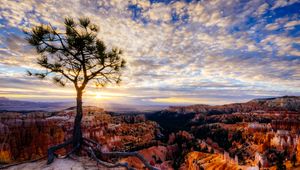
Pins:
x: 76, y: 55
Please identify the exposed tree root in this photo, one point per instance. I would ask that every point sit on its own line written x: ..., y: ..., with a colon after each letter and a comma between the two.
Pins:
x: 93, y: 148
x: 135, y: 154
x: 74, y: 149
x: 51, y: 150
x: 107, y: 164
x: 97, y: 147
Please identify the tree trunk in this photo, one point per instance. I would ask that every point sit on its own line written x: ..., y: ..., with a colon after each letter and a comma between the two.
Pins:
x: 77, y: 133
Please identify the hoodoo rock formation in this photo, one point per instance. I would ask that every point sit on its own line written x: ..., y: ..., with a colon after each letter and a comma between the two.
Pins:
x: 28, y: 136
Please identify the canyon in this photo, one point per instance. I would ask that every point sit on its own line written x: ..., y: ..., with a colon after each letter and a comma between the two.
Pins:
x: 27, y: 136
x: 258, y: 133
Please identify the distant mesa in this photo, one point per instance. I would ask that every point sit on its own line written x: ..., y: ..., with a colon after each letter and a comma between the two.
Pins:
x: 284, y: 103
x: 26, y: 106
x: 3, y: 98
x: 277, y: 98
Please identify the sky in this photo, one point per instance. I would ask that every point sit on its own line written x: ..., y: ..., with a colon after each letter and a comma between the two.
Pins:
x: 177, y: 52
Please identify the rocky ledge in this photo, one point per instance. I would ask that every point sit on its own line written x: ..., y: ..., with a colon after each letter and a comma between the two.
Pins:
x: 81, y: 163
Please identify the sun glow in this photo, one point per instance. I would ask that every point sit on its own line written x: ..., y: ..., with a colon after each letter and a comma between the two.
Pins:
x: 103, y: 96
x: 98, y: 95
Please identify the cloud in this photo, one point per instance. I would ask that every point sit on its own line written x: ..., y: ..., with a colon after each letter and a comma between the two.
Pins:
x: 175, y: 50
x: 158, y: 12
x: 283, y: 45
x: 283, y: 3
x: 291, y: 24
x: 182, y: 100
x: 272, y: 26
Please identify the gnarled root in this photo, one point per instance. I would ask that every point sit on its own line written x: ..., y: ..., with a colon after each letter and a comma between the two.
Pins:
x: 93, y: 144
x: 93, y: 148
x: 107, y: 164
x: 74, y: 149
x: 52, y: 154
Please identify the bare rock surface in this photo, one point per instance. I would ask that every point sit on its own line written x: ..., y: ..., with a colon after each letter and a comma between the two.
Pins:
x: 83, y: 163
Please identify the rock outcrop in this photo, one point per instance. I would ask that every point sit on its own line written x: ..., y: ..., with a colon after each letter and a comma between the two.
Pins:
x: 158, y: 156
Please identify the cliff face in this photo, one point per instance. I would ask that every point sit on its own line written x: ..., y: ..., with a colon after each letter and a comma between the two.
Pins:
x: 23, y: 138
x: 27, y: 137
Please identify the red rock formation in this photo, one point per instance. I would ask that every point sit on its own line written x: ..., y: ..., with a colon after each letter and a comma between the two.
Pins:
x: 291, y: 125
x: 156, y: 155
x: 27, y: 137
